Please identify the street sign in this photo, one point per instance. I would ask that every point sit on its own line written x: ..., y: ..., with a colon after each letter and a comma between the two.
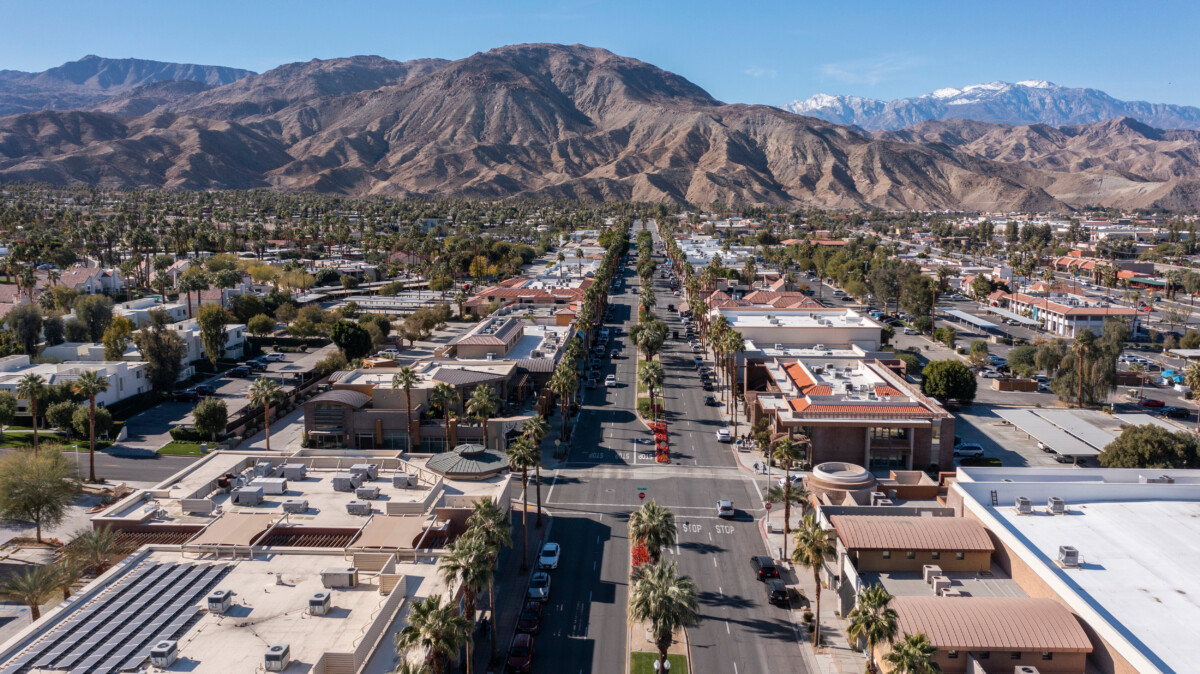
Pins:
x: 642, y: 495
x: 767, y: 505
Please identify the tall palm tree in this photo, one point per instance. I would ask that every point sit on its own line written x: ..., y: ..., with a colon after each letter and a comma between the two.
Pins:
x: 263, y: 392
x: 468, y: 565
x: 437, y: 629
x: 651, y: 376
x: 94, y: 548
x: 483, y: 404
x: 488, y: 522
x: 788, y: 496
x: 653, y: 525
x: 787, y: 454
x: 563, y: 382
x: 812, y: 547
x: 913, y: 655
x: 406, y: 379
x: 67, y: 572
x: 31, y: 387
x: 536, y: 428
x: 872, y: 621
x: 32, y: 586
x: 733, y: 344
x: 89, y: 385
x: 523, y: 455
x: 665, y: 600
x: 444, y: 396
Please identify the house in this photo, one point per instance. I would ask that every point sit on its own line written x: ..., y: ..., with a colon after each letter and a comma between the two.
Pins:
x: 189, y: 331
x: 125, y: 378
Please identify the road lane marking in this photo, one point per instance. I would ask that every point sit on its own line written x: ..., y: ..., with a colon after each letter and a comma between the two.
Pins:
x: 727, y: 627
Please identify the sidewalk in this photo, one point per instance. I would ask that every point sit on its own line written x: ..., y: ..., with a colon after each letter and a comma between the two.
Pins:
x: 511, y: 584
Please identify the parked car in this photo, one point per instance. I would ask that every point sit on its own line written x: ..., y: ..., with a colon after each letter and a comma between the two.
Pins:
x: 520, y: 653
x: 707, y: 385
x: 539, y: 586
x: 796, y: 478
x: 186, y: 396
x: 696, y: 360
x: 1044, y: 447
x: 1043, y: 387
x: 206, y: 389
x: 1151, y: 402
x: 1064, y: 459
x: 610, y: 381
x: 530, y: 619
x: 1175, y: 412
x: 548, y: 559
x: 764, y: 567
x: 910, y: 331
x: 277, y: 357
x: 777, y: 593
x: 723, y: 435
x: 710, y: 401
x: 256, y: 365
x: 990, y: 374
x: 724, y: 508
x: 969, y: 449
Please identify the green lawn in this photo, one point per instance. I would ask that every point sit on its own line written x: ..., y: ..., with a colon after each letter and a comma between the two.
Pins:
x: 177, y: 448
x: 19, y: 440
x: 643, y: 663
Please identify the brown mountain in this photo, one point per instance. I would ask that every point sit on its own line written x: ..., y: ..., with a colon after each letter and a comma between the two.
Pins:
x: 520, y: 121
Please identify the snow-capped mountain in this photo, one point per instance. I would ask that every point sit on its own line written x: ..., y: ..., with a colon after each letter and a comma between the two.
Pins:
x: 1025, y: 102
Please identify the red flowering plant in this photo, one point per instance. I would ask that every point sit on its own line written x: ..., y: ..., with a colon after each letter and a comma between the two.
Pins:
x: 639, y: 555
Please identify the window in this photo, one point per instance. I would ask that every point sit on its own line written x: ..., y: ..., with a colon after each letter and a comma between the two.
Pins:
x: 960, y: 556
x: 887, y: 554
x: 1015, y: 655
x: 953, y: 655
x: 985, y: 655
x: 935, y: 555
x: 911, y: 554
x: 1047, y: 655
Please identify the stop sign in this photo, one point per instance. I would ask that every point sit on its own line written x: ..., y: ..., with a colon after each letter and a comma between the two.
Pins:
x: 642, y: 495
x: 768, y: 505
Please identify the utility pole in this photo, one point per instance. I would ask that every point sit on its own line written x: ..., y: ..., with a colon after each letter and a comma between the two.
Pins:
x: 1082, y: 349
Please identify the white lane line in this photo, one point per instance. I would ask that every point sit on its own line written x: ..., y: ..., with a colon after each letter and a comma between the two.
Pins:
x: 720, y: 590
x: 550, y: 494
x: 714, y: 561
x: 727, y: 627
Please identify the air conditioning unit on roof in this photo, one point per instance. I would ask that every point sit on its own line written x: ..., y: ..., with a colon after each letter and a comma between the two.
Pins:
x: 1068, y: 556
x: 1056, y: 505
x: 1024, y: 506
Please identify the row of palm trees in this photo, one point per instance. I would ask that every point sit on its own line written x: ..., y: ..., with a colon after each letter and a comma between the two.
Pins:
x: 658, y: 595
x: 88, y: 385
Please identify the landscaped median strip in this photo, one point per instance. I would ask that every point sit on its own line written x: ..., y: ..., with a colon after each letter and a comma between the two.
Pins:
x: 639, y: 639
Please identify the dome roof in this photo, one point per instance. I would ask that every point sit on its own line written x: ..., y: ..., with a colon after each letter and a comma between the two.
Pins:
x: 469, y: 462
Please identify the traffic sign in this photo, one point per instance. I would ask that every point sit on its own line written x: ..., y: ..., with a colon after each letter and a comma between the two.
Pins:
x: 642, y: 495
x: 768, y: 505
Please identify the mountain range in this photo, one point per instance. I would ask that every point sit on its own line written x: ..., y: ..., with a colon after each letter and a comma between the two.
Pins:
x: 1028, y: 102
x: 566, y: 121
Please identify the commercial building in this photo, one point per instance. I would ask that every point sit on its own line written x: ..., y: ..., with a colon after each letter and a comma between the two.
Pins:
x: 800, y: 327
x: 894, y: 543
x: 1067, y: 315
x: 125, y: 378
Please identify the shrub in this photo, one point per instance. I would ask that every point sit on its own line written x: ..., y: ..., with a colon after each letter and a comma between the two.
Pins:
x: 80, y: 421
x: 186, y: 435
x: 60, y: 415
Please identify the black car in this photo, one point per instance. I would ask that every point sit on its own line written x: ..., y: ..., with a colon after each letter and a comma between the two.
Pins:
x: 239, y: 371
x: 206, y: 389
x: 530, y: 620
x: 1175, y: 412
x: 764, y: 567
x: 710, y: 401
x: 256, y: 365
x: 777, y: 593
x: 708, y: 386
x: 188, y: 396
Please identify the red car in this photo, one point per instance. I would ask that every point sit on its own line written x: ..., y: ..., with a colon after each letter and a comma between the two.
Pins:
x: 530, y: 620
x: 520, y: 654
x: 1150, y: 402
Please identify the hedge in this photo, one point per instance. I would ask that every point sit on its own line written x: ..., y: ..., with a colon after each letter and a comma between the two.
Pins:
x: 187, y: 435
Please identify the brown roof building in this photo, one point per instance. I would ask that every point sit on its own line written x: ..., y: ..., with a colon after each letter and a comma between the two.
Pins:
x: 891, y: 543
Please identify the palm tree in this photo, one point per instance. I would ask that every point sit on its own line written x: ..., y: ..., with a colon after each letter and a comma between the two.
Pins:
x: 32, y: 586
x: 733, y: 345
x: 488, y: 522
x: 31, y: 387
x: 483, y: 404
x: 787, y: 454
x: 67, y: 572
x: 437, y: 629
x: 263, y: 392
x: 913, y: 655
x: 89, y: 385
x: 444, y: 396
x: 536, y: 428
x: 872, y: 621
x: 651, y: 376
x: 812, y: 547
x: 1191, y: 376
x: 653, y: 526
x: 665, y: 600
x: 94, y: 548
x: 407, y: 378
x: 469, y: 565
x: 788, y: 495
x: 523, y: 455
x: 563, y: 382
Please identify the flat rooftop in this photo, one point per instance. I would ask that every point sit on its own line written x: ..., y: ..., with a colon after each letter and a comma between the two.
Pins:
x: 1139, y: 541
x: 994, y: 583
x: 797, y: 318
x: 159, y: 594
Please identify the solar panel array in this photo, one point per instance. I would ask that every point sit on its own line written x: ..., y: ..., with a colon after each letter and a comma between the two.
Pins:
x: 115, y: 631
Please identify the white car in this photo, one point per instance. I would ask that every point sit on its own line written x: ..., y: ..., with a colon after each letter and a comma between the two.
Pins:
x: 548, y: 559
x: 539, y: 586
x: 797, y: 481
x: 724, y: 508
x: 990, y: 374
x: 274, y: 357
x: 610, y: 381
x: 723, y: 435
x: 968, y: 449
x: 910, y: 331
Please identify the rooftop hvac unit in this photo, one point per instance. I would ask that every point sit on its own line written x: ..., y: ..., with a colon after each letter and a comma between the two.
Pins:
x: 368, y: 471
x: 368, y: 493
x: 346, y: 482
x: 829, y: 366
x: 219, y: 601
x: 491, y: 356
x: 270, y: 485
x: 1056, y: 505
x: 164, y: 653
x: 1068, y: 556
x: 952, y: 592
x: 339, y: 576
x: 262, y: 469
x: 930, y: 571
x: 358, y: 507
x: 1161, y: 479
x: 295, y: 471
x: 295, y: 505
x: 877, y: 496
x: 277, y: 658
x: 247, y: 496
x: 940, y: 583
x: 1025, y: 669
x: 318, y: 604
x: 778, y: 347
x: 1024, y: 505
x: 884, y: 502
x: 404, y: 480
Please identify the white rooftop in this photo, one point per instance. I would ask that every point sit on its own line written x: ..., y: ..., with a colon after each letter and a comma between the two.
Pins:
x: 796, y: 318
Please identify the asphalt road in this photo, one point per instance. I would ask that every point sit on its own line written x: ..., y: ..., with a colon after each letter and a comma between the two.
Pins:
x: 592, y: 495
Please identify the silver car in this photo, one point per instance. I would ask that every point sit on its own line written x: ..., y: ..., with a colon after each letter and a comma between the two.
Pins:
x: 539, y: 586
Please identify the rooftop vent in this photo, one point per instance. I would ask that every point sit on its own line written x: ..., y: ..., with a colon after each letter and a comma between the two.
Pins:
x: 1056, y: 505
x: 1068, y: 556
x: 339, y: 576
x: 1161, y: 479
x: 1025, y: 669
x: 1024, y: 506
x: 318, y: 603
x: 164, y: 653
x: 219, y: 601
x: 278, y: 657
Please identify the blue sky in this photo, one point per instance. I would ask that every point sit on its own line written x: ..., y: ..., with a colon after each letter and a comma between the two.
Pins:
x: 745, y: 52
